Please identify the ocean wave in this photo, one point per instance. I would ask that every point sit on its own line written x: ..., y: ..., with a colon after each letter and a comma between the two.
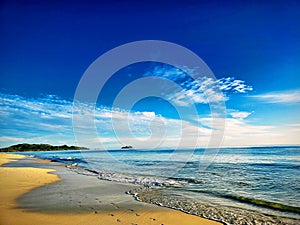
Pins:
x: 187, y: 180
x: 67, y: 160
x: 254, y: 201
x: 267, y: 204
x: 277, y: 165
x: 225, y: 214
x: 149, y: 181
x: 145, y: 181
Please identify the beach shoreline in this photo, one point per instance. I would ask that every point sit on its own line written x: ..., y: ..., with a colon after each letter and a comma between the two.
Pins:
x: 36, y: 183
x: 232, y: 215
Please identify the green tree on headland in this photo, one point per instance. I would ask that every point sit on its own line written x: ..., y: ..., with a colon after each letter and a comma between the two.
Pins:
x: 39, y: 147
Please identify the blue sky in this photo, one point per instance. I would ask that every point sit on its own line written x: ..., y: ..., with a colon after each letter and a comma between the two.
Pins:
x: 252, y: 48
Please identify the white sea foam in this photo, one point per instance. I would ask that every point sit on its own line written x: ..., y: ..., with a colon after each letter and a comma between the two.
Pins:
x: 145, y: 181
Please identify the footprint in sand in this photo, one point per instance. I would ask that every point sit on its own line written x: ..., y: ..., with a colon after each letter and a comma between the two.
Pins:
x: 111, y: 214
x: 118, y: 220
x: 137, y: 214
x: 131, y: 210
x: 153, y: 219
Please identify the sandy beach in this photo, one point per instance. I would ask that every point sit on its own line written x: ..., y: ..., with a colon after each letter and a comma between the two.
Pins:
x: 38, y: 192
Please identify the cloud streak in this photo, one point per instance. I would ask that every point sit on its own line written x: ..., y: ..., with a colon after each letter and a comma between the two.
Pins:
x: 280, y: 97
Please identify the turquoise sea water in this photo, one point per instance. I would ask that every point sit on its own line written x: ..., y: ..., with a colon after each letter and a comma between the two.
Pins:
x: 261, y: 176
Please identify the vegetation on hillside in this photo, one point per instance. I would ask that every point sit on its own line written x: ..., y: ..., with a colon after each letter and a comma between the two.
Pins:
x: 39, y: 147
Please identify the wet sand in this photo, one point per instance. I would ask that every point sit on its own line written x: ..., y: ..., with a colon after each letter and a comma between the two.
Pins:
x: 37, y: 192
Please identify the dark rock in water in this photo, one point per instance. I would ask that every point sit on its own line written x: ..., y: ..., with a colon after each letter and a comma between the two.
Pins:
x: 126, y: 147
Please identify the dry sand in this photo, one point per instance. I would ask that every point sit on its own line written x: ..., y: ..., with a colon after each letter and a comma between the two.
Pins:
x: 48, y: 199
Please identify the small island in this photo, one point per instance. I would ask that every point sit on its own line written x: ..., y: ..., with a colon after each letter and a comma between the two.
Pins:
x: 127, y: 147
x: 39, y: 147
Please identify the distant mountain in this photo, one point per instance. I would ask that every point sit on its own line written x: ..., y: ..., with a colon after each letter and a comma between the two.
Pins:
x: 39, y: 147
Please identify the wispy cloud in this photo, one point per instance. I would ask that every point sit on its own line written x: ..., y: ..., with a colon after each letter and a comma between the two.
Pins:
x: 46, y: 119
x: 49, y: 120
x: 236, y: 114
x: 242, y: 133
x: 290, y: 96
x: 203, y: 90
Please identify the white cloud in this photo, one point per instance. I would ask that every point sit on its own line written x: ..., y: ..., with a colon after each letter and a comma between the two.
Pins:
x: 236, y: 114
x: 34, y: 120
x: 48, y: 120
x: 290, y: 96
x: 241, y: 133
x: 229, y: 83
x: 202, y: 90
x: 147, y: 114
x: 294, y: 125
x: 11, y: 139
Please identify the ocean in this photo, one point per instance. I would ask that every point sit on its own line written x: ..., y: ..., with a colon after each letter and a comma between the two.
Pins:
x: 263, y: 179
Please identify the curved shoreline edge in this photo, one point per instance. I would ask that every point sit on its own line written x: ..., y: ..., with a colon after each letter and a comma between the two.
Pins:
x: 225, y: 214
x: 16, y: 181
x: 156, y: 191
